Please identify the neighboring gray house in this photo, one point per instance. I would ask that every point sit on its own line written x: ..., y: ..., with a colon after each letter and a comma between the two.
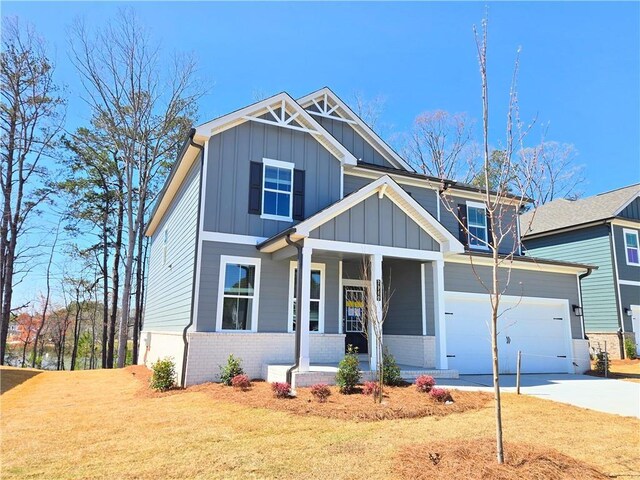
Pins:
x: 305, y: 184
x: 601, y: 230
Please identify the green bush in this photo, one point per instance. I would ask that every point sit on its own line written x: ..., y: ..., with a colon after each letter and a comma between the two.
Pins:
x: 390, y: 369
x: 630, y: 348
x: 164, y: 374
x: 349, y: 375
x: 601, y: 364
x: 231, y: 369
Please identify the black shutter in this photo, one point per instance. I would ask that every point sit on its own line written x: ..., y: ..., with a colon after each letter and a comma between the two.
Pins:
x: 298, y: 194
x: 462, y: 224
x: 255, y: 188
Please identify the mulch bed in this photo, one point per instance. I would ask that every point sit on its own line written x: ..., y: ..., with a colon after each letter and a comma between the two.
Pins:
x: 399, y: 402
x: 476, y: 459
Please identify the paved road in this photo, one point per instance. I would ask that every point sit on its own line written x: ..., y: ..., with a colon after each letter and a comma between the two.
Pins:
x: 602, y: 394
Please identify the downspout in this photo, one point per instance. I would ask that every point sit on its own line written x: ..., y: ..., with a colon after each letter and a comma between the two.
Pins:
x: 192, y: 132
x: 580, y: 277
x: 298, y: 309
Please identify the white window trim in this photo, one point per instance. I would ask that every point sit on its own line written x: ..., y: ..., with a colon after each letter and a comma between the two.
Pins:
x: 626, y: 231
x: 224, y: 261
x: 486, y: 226
x: 314, y: 266
x: 269, y: 162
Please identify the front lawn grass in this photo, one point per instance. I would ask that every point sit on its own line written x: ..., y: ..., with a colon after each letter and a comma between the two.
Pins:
x: 627, y: 370
x: 95, y: 424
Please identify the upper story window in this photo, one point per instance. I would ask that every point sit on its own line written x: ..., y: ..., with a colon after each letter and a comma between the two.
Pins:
x: 238, y: 293
x: 477, y: 225
x: 277, y: 190
x: 631, y: 247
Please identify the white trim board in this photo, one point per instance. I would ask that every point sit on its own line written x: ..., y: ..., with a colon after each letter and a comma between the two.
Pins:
x: 284, y: 101
x: 633, y: 283
x: 230, y: 238
x: 347, y: 115
x: 366, y: 249
x: 384, y: 186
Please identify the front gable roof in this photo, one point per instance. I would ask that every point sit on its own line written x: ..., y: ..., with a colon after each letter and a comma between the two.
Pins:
x: 563, y: 213
x: 329, y: 105
x: 384, y: 187
x: 281, y: 111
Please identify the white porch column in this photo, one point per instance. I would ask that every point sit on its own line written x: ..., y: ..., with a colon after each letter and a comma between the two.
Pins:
x: 376, y: 292
x: 441, y: 328
x: 303, y: 305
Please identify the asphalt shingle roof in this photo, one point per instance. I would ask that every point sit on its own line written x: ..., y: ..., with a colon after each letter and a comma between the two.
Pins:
x: 564, y: 213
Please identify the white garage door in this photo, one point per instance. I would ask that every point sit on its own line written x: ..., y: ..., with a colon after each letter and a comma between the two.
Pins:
x: 539, y: 328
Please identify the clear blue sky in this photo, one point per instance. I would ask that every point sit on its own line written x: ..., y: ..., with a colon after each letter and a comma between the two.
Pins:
x: 580, y: 67
x: 580, y: 62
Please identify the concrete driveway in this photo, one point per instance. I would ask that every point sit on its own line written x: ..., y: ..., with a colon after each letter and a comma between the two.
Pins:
x: 602, y: 394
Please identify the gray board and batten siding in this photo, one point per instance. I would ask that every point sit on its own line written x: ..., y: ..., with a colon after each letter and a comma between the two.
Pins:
x: 590, y: 246
x: 631, y: 211
x: 273, y: 306
x: 629, y: 294
x: 230, y: 153
x: 376, y: 221
x: 527, y: 283
x: 170, y: 281
x: 352, y: 141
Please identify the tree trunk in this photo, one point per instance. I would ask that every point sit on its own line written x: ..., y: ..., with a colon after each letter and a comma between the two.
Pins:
x: 494, y: 350
x: 137, y: 319
x: 116, y: 275
x: 105, y: 285
x: 76, y: 331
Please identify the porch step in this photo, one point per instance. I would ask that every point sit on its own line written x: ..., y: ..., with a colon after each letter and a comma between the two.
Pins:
x: 327, y: 374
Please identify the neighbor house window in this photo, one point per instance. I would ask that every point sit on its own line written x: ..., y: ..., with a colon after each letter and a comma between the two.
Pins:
x: 316, y: 300
x: 477, y: 225
x: 631, y: 247
x: 277, y: 191
x: 238, y: 293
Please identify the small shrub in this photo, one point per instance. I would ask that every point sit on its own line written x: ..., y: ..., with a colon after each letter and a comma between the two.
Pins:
x: 630, y: 348
x: 601, y: 364
x: 281, y: 389
x: 241, y: 382
x: 371, y: 388
x: 321, y: 392
x: 424, y: 383
x: 440, y: 395
x: 390, y: 369
x: 231, y: 369
x: 164, y: 374
x: 349, y: 375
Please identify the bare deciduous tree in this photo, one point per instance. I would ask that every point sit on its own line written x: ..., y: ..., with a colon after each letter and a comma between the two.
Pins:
x: 558, y: 174
x: 441, y: 145
x: 368, y: 109
x: 31, y: 120
x: 146, y: 115
x: 505, y: 180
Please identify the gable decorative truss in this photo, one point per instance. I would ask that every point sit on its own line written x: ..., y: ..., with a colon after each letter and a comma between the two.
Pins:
x: 329, y: 105
x: 383, y: 187
x: 284, y: 112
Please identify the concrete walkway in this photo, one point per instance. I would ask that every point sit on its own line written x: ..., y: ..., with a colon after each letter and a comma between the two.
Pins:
x: 602, y: 394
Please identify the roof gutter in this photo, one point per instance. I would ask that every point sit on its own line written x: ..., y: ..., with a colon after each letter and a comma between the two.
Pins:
x: 298, y: 310
x: 185, y: 341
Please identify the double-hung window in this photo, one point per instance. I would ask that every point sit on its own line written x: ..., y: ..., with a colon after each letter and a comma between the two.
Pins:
x: 277, y: 190
x: 238, y: 293
x: 631, y: 247
x: 316, y: 299
x: 477, y: 225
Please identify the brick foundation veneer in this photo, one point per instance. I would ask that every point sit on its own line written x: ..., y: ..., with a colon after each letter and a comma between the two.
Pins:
x: 596, y: 343
x: 207, y: 351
